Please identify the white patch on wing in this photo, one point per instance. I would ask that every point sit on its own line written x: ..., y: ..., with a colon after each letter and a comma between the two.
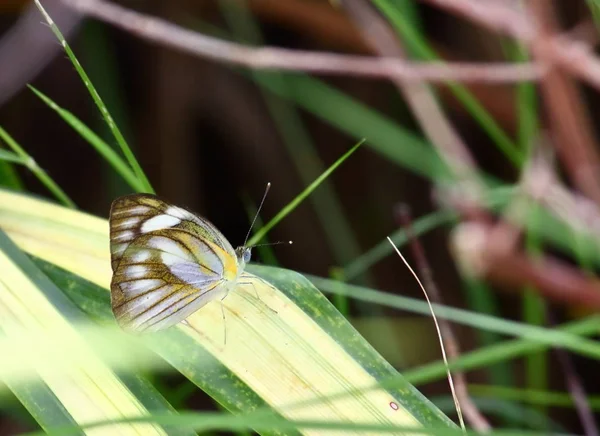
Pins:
x: 133, y: 288
x: 171, y: 248
x: 141, y: 256
x: 135, y: 271
x: 159, y: 222
x: 132, y: 210
x: 170, y: 259
x: 118, y: 248
x: 178, y: 212
x: 127, y: 223
x: 123, y: 235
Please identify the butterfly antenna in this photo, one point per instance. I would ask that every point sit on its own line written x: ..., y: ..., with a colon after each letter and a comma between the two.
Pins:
x: 273, y: 243
x: 257, y: 212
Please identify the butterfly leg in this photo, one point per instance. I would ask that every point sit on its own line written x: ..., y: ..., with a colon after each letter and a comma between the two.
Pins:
x: 256, y: 292
x: 185, y: 322
x: 224, y: 323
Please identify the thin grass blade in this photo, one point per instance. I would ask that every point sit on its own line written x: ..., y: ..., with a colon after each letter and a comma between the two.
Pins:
x: 137, y: 169
x: 296, y: 201
x: 95, y: 141
x: 32, y: 165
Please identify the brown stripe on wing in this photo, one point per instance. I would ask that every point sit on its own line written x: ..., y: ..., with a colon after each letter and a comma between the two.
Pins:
x: 145, y: 326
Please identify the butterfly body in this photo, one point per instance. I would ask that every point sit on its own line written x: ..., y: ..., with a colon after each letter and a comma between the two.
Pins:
x: 167, y: 263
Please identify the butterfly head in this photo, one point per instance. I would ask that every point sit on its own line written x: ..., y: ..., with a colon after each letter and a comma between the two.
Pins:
x: 243, y: 254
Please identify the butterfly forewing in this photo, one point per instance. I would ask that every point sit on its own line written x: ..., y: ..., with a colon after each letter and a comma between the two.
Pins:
x: 166, y: 261
x: 135, y: 215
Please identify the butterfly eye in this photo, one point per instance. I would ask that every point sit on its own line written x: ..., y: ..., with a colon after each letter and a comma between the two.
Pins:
x: 247, y: 255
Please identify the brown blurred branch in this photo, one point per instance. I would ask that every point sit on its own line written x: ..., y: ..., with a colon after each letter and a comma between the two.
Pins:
x: 570, y: 122
x: 472, y: 413
x: 176, y: 37
x: 553, y: 279
x: 25, y: 49
x: 573, y: 56
x: 491, y: 250
x: 541, y: 185
x: 314, y: 21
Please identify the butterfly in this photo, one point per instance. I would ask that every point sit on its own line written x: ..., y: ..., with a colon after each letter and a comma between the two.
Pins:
x: 167, y: 263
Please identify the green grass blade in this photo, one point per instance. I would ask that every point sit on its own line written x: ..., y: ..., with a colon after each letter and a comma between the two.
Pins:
x: 500, y: 352
x: 9, y: 178
x: 464, y: 317
x: 9, y: 156
x: 532, y: 396
x: 206, y: 421
x: 482, y: 299
x: 8, y: 174
x: 95, y: 141
x: 518, y: 415
x: 296, y: 201
x: 383, y: 249
x: 351, y: 116
x: 594, y: 6
x: 32, y: 165
x: 527, y: 103
x: 534, y: 313
x: 203, y: 422
x: 137, y: 169
x: 495, y: 201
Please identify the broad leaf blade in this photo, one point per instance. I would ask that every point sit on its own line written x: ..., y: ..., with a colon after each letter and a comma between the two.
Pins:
x: 87, y: 390
x: 289, y: 347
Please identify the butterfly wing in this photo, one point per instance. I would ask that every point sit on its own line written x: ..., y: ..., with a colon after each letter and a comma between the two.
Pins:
x: 166, y: 261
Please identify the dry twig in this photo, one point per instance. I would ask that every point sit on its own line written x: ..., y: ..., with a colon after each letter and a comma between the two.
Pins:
x: 472, y: 413
x: 272, y: 58
x: 569, y: 120
x: 552, y: 278
x: 25, y: 50
x: 573, y: 56
x: 577, y: 390
x: 540, y: 185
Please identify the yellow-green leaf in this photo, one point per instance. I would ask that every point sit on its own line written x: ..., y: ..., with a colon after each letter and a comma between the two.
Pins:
x: 289, y: 350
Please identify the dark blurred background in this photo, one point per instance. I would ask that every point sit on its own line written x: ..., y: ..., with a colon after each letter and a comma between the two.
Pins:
x: 210, y: 139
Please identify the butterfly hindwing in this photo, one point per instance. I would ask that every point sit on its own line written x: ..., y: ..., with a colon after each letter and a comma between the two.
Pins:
x: 167, y: 263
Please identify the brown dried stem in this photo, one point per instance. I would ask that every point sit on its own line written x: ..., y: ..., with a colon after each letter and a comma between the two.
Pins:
x: 552, y: 278
x: 25, y: 49
x: 570, y: 122
x: 472, y: 413
x: 490, y: 250
x: 573, y: 56
x: 273, y: 58
x: 577, y: 390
